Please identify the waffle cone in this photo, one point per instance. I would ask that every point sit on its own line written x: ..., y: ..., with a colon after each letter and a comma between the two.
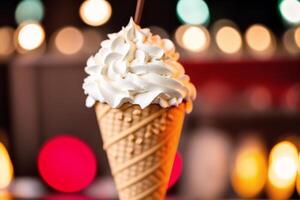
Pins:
x: 140, y: 145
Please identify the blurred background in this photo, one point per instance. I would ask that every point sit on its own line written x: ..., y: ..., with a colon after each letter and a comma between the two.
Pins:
x: 242, y: 139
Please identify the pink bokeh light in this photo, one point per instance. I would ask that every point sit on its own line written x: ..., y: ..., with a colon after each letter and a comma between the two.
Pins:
x: 67, y: 164
x: 176, y: 170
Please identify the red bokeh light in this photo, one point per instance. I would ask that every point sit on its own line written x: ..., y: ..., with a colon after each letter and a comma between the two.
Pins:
x: 176, y: 170
x: 260, y: 98
x: 292, y: 98
x: 67, y: 164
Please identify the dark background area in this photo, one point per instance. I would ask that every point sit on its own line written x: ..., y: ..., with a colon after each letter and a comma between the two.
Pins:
x: 3, y: 98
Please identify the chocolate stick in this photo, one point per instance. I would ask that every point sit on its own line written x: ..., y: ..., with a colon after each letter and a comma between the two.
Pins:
x: 138, y: 11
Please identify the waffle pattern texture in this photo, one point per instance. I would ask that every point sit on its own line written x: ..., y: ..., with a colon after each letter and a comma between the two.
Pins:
x: 140, y: 145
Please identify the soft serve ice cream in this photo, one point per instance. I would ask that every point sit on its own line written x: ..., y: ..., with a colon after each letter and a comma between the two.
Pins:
x: 134, y: 66
x: 132, y: 74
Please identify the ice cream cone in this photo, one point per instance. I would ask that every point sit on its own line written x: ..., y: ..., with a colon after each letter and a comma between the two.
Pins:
x: 141, y: 145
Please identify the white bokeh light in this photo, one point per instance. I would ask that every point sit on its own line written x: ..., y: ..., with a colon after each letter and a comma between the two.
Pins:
x: 290, y: 11
x: 95, y: 12
x: 195, y: 39
x: 31, y: 36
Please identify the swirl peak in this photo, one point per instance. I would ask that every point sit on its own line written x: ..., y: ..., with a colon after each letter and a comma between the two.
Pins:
x: 135, y: 66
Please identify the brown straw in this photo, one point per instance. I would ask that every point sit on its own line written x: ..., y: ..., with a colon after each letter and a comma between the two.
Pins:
x: 138, y: 11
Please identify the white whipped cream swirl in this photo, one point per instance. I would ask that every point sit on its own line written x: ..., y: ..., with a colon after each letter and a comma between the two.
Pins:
x: 138, y: 67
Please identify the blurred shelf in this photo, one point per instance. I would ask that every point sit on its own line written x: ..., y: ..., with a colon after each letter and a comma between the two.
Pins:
x: 274, y: 73
x: 279, y: 120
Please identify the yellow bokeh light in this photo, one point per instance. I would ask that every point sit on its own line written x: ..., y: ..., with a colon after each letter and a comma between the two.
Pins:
x: 30, y: 36
x: 69, y: 40
x: 258, y: 38
x: 95, y: 12
x: 282, y: 169
x: 6, y: 44
x: 298, y: 176
x: 228, y: 40
x: 297, y: 37
x: 283, y: 149
x: 6, y: 168
x: 195, y: 38
x: 5, y: 195
x: 249, y: 171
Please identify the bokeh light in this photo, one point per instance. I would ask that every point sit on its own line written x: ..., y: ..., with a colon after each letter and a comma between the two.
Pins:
x: 107, y: 185
x: 30, y: 36
x: 6, y: 44
x: 290, y: 11
x: 260, y: 98
x: 216, y: 95
x: 6, y: 168
x: 176, y: 170
x: 260, y: 41
x: 179, y: 34
x: 206, y: 164
x: 229, y: 40
x: 5, y: 195
x: 283, y: 149
x: 69, y: 40
x: 298, y: 176
x: 283, y: 166
x: 195, y: 39
x: 258, y: 38
x: 250, y: 168
x: 297, y: 36
x: 95, y: 12
x: 289, y: 41
x: 28, y: 188
x: 29, y: 10
x: 67, y: 175
x: 194, y: 12
x: 292, y: 98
